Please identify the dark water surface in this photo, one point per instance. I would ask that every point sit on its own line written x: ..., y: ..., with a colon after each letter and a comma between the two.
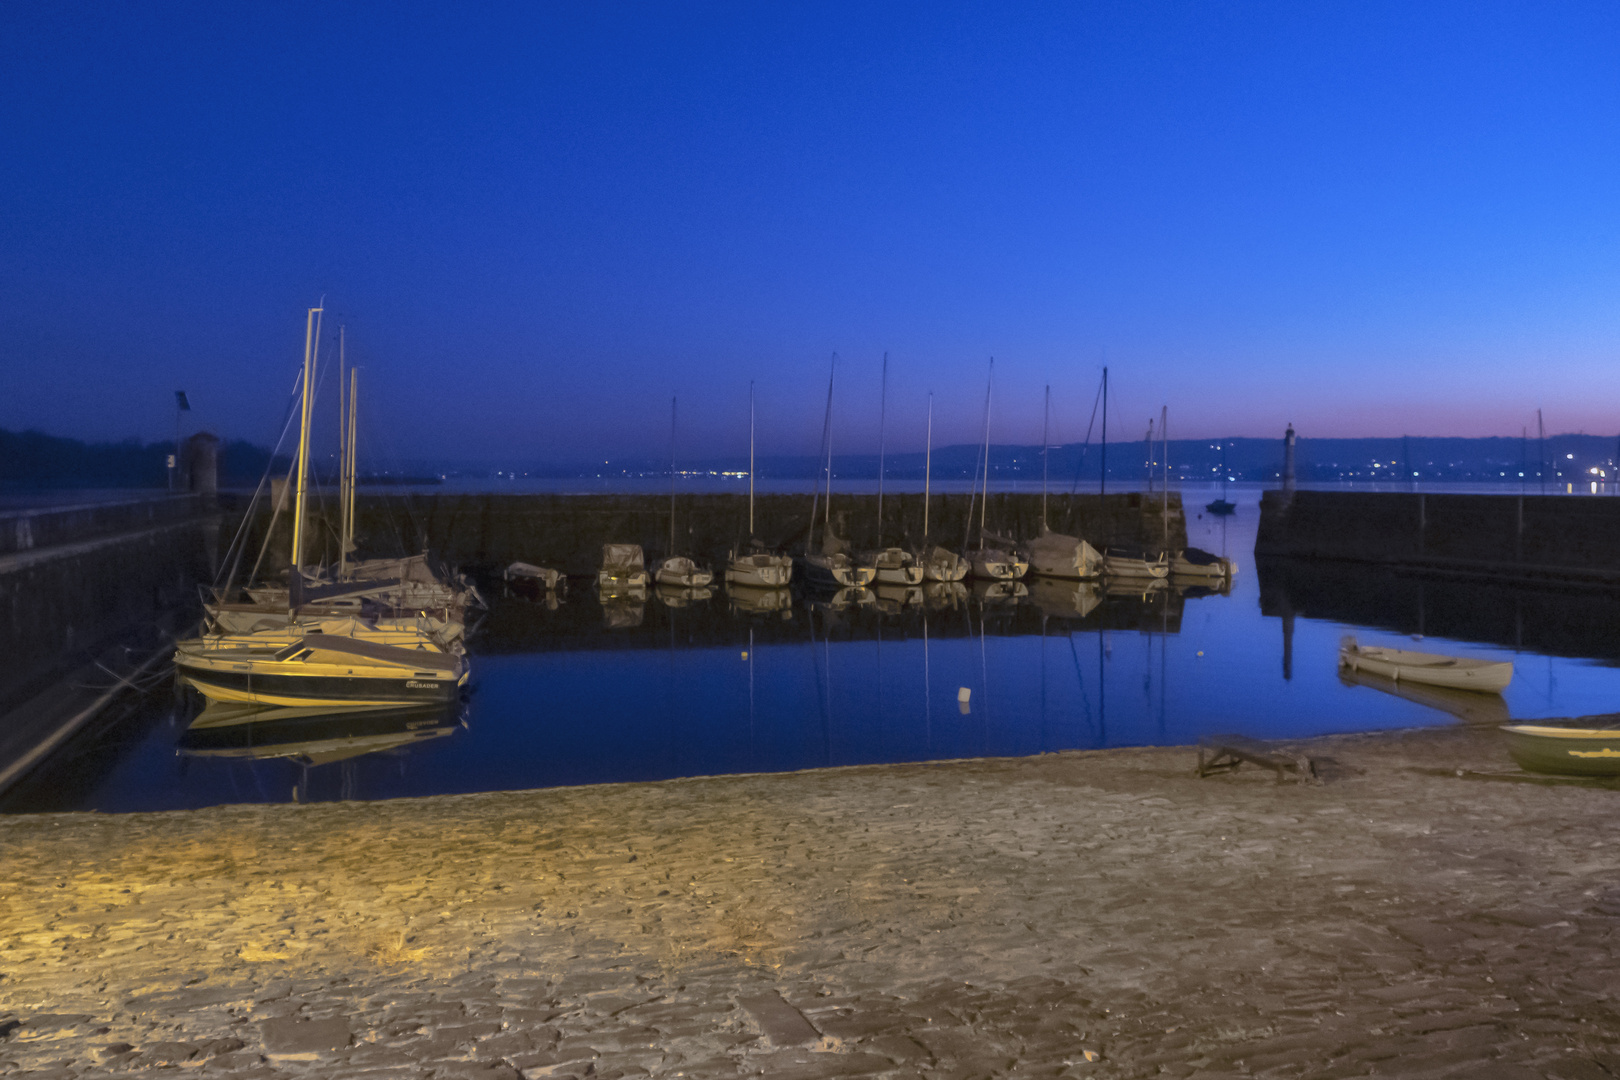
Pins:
x: 579, y: 694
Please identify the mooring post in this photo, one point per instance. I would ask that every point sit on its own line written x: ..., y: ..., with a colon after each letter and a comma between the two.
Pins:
x: 1288, y: 466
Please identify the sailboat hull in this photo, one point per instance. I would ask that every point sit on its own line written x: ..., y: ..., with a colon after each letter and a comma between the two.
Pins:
x: 337, y: 691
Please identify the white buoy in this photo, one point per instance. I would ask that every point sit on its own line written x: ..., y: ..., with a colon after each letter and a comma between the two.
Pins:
x: 963, y: 694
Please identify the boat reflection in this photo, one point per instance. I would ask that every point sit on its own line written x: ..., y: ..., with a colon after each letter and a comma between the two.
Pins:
x: 893, y: 599
x: 1000, y: 592
x: 944, y: 595
x: 623, y: 608
x: 757, y: 600
x: 1469, y: 707
x: 311, y: 736
x: 1064, y: 598
x: 679, y: 596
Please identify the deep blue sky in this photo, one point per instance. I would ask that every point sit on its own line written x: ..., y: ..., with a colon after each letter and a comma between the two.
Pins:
x: 539, y: 222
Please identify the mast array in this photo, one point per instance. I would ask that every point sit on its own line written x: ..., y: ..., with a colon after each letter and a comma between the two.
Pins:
x: 750, y: 459
x: 883, y: 409
x: 312, y: 334
x: 928, y: 462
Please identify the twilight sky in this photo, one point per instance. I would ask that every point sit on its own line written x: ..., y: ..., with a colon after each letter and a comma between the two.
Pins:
x: 539, y: 222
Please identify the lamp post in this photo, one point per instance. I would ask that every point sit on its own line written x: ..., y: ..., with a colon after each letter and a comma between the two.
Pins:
x: 181, y: 405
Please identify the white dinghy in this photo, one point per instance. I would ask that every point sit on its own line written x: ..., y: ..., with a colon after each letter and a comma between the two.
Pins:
x: 1485, y: 676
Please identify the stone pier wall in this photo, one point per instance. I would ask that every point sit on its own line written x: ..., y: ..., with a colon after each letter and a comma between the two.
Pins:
x: 568, y: 531
x: 1546, y: 538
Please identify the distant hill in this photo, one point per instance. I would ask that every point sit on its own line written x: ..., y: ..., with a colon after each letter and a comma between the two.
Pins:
x: 29, y: 459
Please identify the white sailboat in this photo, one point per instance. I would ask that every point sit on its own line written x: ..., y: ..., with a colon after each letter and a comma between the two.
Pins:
x: 999, y: 563
x: 334, y: 662
x: 1053, y: 554
x: 939, y: 564
x: 394, y: 594
x: 756, y: 568
x: 678, y: 571
x: 831, y: 566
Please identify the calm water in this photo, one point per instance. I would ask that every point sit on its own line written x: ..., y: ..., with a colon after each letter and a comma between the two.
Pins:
x: 582, y: 694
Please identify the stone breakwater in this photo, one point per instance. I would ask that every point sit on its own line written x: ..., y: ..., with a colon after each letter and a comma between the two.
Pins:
x: 1107, y: 914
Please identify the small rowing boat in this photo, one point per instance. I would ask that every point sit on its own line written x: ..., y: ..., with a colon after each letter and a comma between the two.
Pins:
x: 1486, y: 676
x: 1197, y: 563
x: 1585, y: 746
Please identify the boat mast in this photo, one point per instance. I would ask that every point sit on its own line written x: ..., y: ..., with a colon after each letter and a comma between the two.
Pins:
x: 1102, y: 482
x: 750, y: 459
x: 1046, y: 431
x: 927, y: 470
x: 826, y: 509
x: 883, y: 412
x: 671, y: 552
x: 826, y: 423
x: 312, y: 334
x: 984, y: 496
x: 349, y: 465
x: 343, y: 454
x: 1164, y: 439
x: 343, y: 463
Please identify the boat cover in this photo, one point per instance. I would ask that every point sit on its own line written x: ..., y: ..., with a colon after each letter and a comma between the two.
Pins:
x: 622, y: 558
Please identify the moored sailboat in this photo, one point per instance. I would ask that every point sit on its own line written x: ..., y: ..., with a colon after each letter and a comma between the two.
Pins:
x: 307, y: 655
x: 756, y: 567
x: 1002, y: 563
x: 831, y: 566
x: 939, y: 564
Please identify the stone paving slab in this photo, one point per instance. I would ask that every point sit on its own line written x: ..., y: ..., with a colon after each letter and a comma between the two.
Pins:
x: 1097, y: 914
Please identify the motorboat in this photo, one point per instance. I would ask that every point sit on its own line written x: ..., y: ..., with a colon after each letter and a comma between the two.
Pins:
x: 623, y: 567
x: 681, y: 572
x: 1221, y: 507
x: 1401, y: 665
x: 1129, y: 562
x: 944, y: 565
x: 320, y: 670
x: 1584, y: 746
x: 543, y: 576
x: 1198, y: 563
x: 894, y: 566
x: 1054, y: 555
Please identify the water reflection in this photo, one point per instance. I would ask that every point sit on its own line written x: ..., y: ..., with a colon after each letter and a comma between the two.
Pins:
x: 612, y: 686
x: 310, y: 736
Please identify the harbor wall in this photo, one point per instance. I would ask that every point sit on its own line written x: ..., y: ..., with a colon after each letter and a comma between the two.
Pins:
x: 1524, y: 538
x: 43, y: 527
x: 1557, y: 620
x: 568, y: 531
x: 63, y: 606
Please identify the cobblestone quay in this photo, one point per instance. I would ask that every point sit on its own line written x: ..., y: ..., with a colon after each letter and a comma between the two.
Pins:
x: 1426, y: 912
